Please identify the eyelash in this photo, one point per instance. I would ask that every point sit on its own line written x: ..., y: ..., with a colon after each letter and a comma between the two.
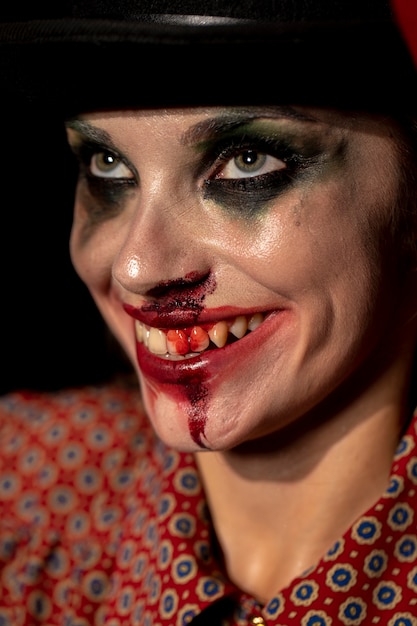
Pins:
x: 102, y: 196
x: 248, y: 195
x: 87, y: 151
x: 222, y: 155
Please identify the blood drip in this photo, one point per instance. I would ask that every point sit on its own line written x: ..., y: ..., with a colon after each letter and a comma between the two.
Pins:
x: 198, y: 396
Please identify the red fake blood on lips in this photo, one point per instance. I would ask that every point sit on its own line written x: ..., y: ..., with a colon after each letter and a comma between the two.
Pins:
x: 183, y: 299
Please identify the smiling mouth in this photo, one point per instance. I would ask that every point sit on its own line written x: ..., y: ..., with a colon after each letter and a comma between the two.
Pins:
x: 186, y: 343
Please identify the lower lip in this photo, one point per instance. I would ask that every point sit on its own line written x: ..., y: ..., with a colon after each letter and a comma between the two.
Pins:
x: 210, y: 362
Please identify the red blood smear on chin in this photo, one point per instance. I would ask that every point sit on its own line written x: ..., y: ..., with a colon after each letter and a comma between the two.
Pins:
x: 197, y: 412
x: 186, y: 382
x: 192, y: 386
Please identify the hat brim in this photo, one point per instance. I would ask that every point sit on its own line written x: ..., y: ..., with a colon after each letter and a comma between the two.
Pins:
x: 84, y: 64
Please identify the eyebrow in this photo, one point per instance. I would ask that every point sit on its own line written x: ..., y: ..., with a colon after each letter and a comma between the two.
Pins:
x: 203, y: 130
x: 227, y: 121
x: 97, y: 135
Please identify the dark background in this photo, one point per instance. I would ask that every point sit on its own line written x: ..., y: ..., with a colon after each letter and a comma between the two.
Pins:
x: 51, y: 332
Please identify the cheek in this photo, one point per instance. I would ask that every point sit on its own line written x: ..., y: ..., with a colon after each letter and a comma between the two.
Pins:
x: 324, y: 242
x: 93, y: 258
x: 92, y: 255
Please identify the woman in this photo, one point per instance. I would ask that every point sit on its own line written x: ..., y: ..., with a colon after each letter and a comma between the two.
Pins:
x: 254, y: 255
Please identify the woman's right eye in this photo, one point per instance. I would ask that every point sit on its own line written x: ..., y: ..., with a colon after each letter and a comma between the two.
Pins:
x: 106, y: 164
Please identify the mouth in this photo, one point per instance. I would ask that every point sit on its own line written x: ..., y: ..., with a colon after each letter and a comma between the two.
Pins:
x: 178, y: 344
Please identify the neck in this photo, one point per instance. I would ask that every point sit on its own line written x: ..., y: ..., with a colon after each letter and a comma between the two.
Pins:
x: 295, y: 493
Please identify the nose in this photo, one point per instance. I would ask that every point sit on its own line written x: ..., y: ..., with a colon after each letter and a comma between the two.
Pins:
x: 161, y: 249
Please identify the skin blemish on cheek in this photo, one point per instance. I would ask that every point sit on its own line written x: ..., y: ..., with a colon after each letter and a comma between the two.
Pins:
x: 297, y: 214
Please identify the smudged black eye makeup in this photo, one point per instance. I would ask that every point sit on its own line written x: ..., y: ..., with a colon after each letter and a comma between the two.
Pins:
x: 255, y: 166
x: 251, y: 162
x: 106, y: 176
x: 239, y: 162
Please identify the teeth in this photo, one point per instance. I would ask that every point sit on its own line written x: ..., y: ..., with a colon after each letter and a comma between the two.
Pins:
x: 139, y: 332
x: 179, y: 343
x: 239, y: 327
x: 218, y: 334
x: 157, y: 342
x: 199, y: 339
x: 255, y: 321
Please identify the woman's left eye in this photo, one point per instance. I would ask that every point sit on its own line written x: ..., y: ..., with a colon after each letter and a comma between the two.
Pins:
x: 249, y: 163
x: 106, y: 164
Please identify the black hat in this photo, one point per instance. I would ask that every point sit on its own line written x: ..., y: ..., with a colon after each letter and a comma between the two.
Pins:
x: 83, y: 54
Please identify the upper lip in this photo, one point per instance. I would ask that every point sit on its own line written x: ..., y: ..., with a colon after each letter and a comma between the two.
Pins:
x: 165, y: 317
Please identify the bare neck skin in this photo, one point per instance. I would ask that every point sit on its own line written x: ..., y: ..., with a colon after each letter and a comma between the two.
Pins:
x: 278, y: 510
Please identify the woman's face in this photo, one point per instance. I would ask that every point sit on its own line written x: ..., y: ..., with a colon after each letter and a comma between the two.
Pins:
x: 242, y: 257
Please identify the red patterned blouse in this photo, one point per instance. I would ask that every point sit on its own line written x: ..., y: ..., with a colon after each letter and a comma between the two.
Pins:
x: 101, y: 524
